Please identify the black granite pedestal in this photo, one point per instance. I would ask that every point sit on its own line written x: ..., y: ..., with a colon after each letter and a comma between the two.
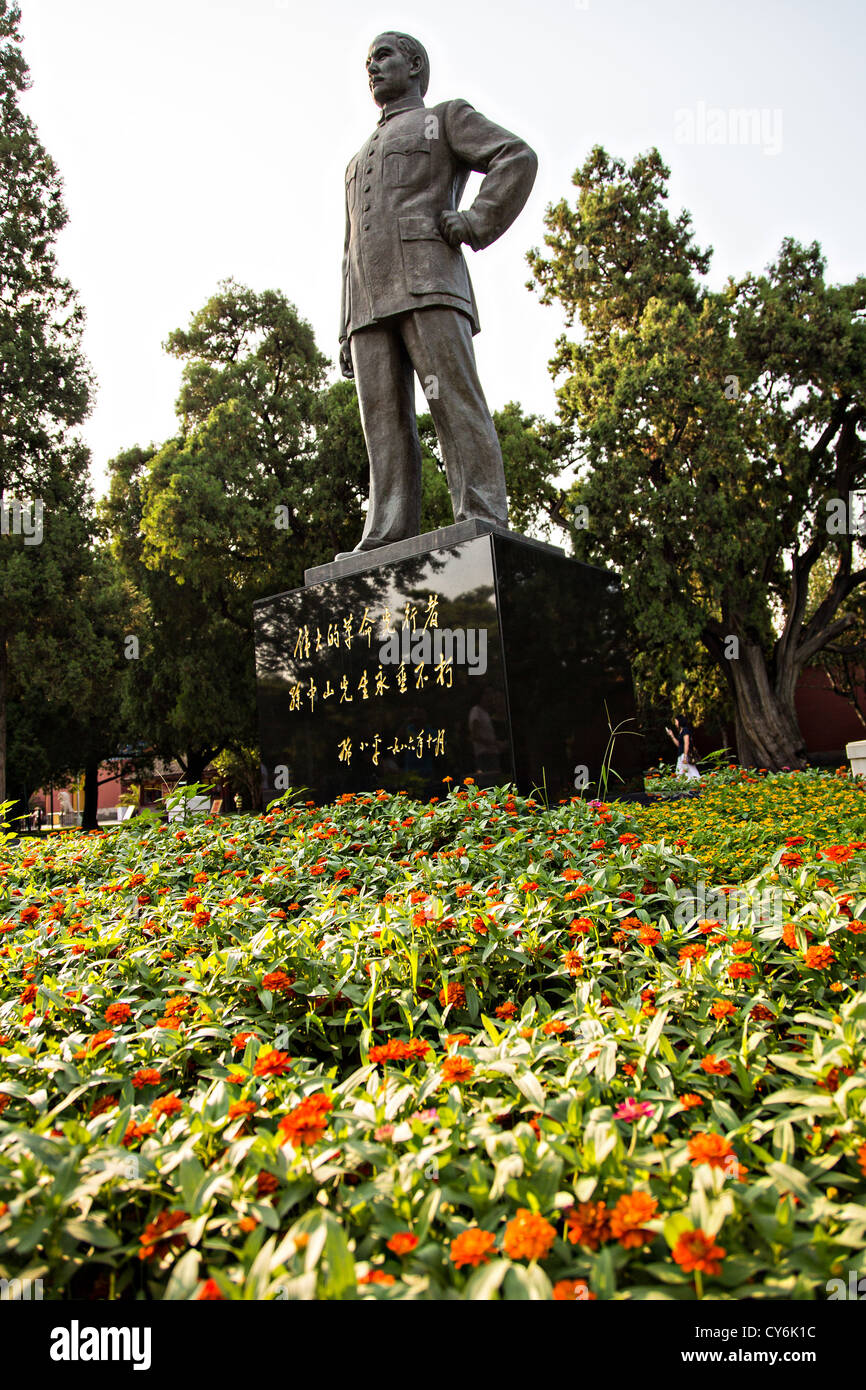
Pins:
x: 468, y: 652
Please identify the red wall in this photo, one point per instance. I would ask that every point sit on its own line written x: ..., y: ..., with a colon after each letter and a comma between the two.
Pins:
x: 828, y: 721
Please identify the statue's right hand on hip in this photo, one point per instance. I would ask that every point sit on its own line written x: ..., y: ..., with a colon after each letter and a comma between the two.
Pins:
x: 346, y: 360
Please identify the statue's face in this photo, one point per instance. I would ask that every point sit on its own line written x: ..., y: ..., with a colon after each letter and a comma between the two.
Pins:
x: 388, y: 70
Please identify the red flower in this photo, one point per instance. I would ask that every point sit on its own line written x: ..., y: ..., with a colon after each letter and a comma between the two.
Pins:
x: 270, y: 1062
x: 118, y: 1013
x: 156, y: 1240
x: 741, y: 970
x: 278, y: 982
x: 696, y: 1251
x: 395, y: 1050
x: 307, y: 1122
x: 403, y: 1243
x: 714, y: 1066
x: 146, y: 1076
x: 588, y: 1224
x: 210, y: 1289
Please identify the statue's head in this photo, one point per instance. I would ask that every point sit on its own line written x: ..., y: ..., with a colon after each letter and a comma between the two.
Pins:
x: 397, y: 66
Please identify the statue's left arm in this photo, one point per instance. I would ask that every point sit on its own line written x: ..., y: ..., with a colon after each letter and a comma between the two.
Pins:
x: 508, y: 164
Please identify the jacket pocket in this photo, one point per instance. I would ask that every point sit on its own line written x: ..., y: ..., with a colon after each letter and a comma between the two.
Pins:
x: 407, y: 162
x: 430, y: 264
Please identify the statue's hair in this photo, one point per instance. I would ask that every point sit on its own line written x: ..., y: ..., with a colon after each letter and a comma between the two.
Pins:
x: 411, y: 48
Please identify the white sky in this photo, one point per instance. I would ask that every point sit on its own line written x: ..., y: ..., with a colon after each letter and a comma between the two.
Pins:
x: 205, y: 138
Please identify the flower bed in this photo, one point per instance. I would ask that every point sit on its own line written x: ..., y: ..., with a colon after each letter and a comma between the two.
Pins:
x: 473, y: 1049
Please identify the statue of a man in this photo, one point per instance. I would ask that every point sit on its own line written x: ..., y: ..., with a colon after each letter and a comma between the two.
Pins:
x: 407, y: 303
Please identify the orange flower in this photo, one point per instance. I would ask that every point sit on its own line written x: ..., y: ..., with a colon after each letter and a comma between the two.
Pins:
x: 722, y: 1008
x: 695, y: 951
x: 713, y: 1149
x: 117, y: 1013
x: 241, y: 1107
x: 456, y: 996
x: 819, y: 957
x: 629, y: 1216
x: 741, y: 970
x: 507, y: 1010
x: 690, y: 1099
x: 588, y: 1224
x: 376, y: 1276
x: 463, y: 890
x: 456, y: 1069
x: 573, y: 962
x: 696, y: 1251
x: 528, y: 1236
x: 100, y: 1039
x: 555, y: 1027
x: 861, y: 1158
x: 266, y: 1183
x: 165, y: 1105
x: 307, y: 1122
x: 572, y: 1291
x: 472, y: 1247
x: 458, y: 1040
x: 403, y: 1243
x: 715, y: 1066
x: 649, y: 936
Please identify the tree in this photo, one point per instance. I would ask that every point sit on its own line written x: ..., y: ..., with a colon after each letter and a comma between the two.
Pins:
x: 264, y: 479
x: 718, y: 433
x: 45, y: 389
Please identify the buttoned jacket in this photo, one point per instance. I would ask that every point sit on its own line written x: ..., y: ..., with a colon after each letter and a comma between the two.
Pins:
x: 413, y: 168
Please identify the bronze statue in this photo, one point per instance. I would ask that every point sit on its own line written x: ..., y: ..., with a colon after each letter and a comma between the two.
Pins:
x: 407, y: 303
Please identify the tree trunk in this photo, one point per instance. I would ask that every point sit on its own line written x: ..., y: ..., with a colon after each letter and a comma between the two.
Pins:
x: 91, y: 797
x: 197, y: 760
x: 768, y: 734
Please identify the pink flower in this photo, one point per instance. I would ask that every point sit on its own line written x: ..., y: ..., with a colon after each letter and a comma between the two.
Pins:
x: 631, y: 1110
x: 427, y: 1117
x: 383, y: 1132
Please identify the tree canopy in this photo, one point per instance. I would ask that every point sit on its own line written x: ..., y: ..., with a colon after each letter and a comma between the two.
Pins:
x: 714, y: 428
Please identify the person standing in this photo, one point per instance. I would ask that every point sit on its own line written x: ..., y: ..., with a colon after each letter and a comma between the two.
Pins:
x: 684, y: 740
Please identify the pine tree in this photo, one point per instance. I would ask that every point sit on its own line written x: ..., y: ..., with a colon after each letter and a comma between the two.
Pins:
x: 45, y: 391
